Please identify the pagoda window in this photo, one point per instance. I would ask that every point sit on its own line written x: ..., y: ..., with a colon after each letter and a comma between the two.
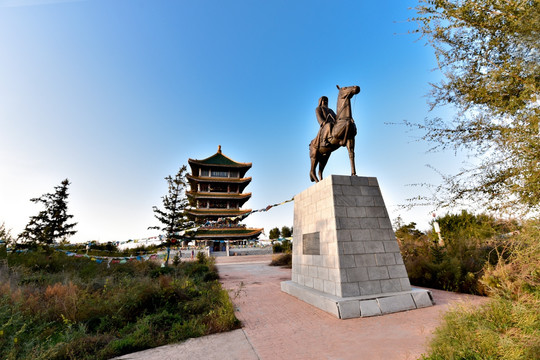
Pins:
x: 204, y: 172
x: 202, y: 204
x: 203, y: 187
x: 233, y: 188
x: 218, y: 204
x: 234, y: 174
x: 220, y: 173
x: 219, y: 188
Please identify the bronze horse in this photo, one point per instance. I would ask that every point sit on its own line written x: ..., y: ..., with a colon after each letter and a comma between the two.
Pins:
x: 342, y: 133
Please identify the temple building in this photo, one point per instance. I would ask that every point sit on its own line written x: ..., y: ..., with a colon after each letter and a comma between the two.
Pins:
x: 216, y: 192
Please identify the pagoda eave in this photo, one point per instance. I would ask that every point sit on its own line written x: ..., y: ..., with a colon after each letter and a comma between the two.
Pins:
x: 227, y: 234
x: 201, y: 195
x: 217, y: 212
x: 219, y: 180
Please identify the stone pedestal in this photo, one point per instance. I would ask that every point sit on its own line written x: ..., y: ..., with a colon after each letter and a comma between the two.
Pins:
x: 346, y: 258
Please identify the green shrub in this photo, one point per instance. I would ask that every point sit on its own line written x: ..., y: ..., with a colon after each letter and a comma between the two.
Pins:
x: 284, y: 260
x: 470, y: 242
x: 508, y: 326
x: 54, y: 307
x: 284, y: 247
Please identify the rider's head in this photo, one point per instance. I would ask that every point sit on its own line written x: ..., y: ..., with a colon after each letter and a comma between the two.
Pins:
x: 323, y: 101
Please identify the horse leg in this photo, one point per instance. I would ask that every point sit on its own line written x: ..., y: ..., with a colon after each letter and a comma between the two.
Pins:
x: 350, y: 147
x: 314, y: 161
x: 322, y: 164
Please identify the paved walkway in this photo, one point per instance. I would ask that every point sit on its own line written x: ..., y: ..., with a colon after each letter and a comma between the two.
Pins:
x: 279, y: 326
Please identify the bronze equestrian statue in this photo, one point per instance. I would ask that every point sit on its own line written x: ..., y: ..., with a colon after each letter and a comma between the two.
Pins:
x: 336, y: 130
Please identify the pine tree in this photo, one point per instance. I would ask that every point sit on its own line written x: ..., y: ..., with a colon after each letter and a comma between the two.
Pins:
x: 286, y: 232
x: 173, y: 217
x: 51, y: 224
x: 274, y: 233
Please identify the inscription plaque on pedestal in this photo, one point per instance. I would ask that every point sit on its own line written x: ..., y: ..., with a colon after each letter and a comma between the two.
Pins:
x: 311, y: 244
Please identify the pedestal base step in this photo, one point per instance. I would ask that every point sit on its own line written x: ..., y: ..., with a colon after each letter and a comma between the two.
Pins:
x: 360, y: 306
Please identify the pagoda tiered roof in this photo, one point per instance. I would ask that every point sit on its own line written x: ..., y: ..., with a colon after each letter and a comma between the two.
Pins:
x: 218, y: 160
x: 217, y: 183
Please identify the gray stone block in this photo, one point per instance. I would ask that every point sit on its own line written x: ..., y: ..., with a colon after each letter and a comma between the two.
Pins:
x: 351, y: 190
x: 349, y: 309
x: 359, y: 181
x: 390, y: 286
x: 337, y: 275
x: 405, y: 284
x: 384, y: 223
x: 340, y: 179
x: 356, y: 212
x: 367, y: 223
x: 340, y: 211
x: 372, y: 181
x: 397, y: 271
x: 382, y: 235
x: 399, y: 258
x: 369, y: 308
x: 376, y: 212
x: 329, y: 287
x: 378, y: 272
x: 370, y: 191
x: 372, y: 247
x: 370, y: 287
x: 391, y: 246
x: 396, y: 303
x: 422, y: 299
x: 365, y: 260
x: 353, y: 248
x: 385, y: 259
x: 322, y: 273
x: 346, y: 261
x: 349, y: 223
x: 318, y: 284
x: 308, y: 281
x: 357, y: 274
x: 349, y: 289
x: 360, y: 234
x: 344, y: 200
x: 365, y: 201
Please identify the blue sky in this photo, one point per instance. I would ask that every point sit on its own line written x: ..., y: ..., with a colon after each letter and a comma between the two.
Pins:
x: 116, y: 95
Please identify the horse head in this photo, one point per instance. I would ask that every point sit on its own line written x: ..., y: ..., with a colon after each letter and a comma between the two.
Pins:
x: 347, y: 92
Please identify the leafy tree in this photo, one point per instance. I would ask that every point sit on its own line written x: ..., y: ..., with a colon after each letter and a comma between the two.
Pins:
x: 488, y: 51
x: 173, y: 219
x: 286, y: 232
x: 51, y: 224
x: 274, y: 233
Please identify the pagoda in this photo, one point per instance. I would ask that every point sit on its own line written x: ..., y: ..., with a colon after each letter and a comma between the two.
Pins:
x: 216, y: 193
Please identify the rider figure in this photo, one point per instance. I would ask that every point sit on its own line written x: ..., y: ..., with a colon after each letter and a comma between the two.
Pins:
x: 326, y: 118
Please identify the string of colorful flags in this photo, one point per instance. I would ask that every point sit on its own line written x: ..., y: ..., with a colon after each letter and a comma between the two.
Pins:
x: 158, y: 238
